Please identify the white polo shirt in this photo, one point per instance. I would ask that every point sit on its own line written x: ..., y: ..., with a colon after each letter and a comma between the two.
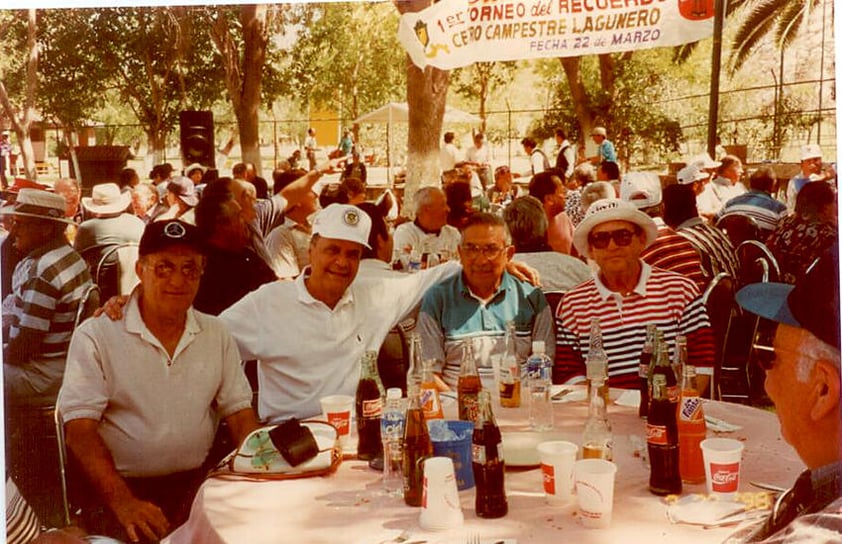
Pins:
x: 306, y: 350
x: 408, y: 234
x: 157, y: 414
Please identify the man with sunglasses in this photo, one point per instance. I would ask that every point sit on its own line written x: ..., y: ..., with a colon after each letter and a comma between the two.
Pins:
x: 143, y: 394
x: 803, y: 380
x: 475, y: 306
x: 626, y: 294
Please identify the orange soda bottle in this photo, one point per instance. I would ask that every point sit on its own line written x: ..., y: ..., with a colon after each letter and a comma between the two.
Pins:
x: 691, y: 429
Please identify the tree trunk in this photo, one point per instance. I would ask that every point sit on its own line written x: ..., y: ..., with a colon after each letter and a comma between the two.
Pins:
x: 426, y: 95
x: 253, y: 20
x: 581, y: 101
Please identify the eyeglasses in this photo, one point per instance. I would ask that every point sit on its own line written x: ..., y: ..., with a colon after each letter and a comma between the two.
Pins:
x: 621, y: 237
x: 190, y: 270
x: 490, y: 251
x: 765, y: 356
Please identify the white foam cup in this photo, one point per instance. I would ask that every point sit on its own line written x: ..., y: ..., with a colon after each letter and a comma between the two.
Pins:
x: 595, y: 491
x: 336, y: 409
x: 440, y: 507
x: 557, y: 459
x: 722, y: 458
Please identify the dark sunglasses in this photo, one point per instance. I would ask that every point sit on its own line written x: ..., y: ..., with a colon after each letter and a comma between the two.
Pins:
x: 621, y: 237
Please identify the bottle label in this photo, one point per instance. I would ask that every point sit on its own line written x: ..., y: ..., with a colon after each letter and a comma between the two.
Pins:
x: 431, y: 404
x: 372, y: 408
x: 691, y: 409
x: 656, y: 434
x: 469, y: 408
x: 478, y: 453
x: 725, y: 478
x: 341, y: 422
x: 643, y: 371
x: 673, y: 393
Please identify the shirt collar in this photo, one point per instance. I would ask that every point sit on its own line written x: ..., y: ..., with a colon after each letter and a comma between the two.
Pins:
x: 425, y: 231
x: 640, y: 288
x: 505, y: 283
x: 305, y: 297
x: 692, y: 222
x: 135, y: 324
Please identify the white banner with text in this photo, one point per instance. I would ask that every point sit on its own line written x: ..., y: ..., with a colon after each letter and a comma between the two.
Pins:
x: 454, y: 33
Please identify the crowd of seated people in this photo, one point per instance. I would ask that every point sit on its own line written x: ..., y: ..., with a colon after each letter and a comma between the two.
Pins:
x: 303, y: 282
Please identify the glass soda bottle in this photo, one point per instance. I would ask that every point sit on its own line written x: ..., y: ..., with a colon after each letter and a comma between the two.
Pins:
x: 539, y: 376
x: 415, y: 372
x: 691, y: 429
x: 510, y: 371
x: 662, y: 441
x: 679, y: 358
x: 416, y: 448
x: 430, y: 399
x: 596, y: 363
x: 369, y: 408
x: 664, y: 368
x: 488, y: 464
x: 597, y: 438
x: 468, y: 386
x: 643, y: 370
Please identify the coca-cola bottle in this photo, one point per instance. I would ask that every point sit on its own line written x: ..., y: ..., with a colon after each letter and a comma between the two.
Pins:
x: 679, y: 358
x: 488, y: 464
x: 691, y: 429
x: 468, y: 386
x: 416, y: 448
x: 664, y: 368
x: 662, y: 441
x: 369, y: 408
x: 596, y: 363
x: 643, y: 370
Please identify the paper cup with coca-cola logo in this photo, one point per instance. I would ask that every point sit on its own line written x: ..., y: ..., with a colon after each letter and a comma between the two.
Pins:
x: 336, y: 409
x: 722, y: 458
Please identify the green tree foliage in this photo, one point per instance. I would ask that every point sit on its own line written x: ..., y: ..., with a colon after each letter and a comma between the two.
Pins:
x: 478, y: 81
x: 347, y: 57
x: 637, y: 123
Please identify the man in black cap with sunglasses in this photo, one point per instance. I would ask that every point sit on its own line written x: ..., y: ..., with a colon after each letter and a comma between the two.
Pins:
x: 803, y: 381
x: 626, y: 294
x: 143, y: 395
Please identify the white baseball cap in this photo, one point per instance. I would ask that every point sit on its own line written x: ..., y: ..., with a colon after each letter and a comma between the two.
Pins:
x: 343, y: 222
x: 643, y: 189
x: 810, y: 151
x: 704, y: 161
x: 690, y: 173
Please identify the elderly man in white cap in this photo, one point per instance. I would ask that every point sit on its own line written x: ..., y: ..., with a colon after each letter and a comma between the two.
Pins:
x: 698, y: 176
x: 803, y: 380
x: 605, y: 148
x: 309, y: 335
x: 48, y: 286
x: 626, y: 294
x: 811, y: 170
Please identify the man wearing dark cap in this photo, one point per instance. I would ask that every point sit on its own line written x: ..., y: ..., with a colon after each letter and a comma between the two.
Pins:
x: 143, y: 394
x: 803, y: 381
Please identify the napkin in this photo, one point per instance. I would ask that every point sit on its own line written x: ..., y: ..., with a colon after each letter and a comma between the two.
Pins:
x: 720, y: 425
x: 629, y: 397
x: 697, y: 510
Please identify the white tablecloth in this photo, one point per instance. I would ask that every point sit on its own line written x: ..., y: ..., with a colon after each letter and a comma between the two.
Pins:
x: 348, y: 508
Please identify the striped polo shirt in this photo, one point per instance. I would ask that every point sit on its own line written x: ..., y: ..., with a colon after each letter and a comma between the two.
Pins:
x: 671, y: 251
x: 714, y: 247
x: 47, y: 286
x: 758, y: 205
x: 669, y: 300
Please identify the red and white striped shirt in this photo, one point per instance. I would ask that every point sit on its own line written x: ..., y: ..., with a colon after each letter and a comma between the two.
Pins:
x: 669, y: 300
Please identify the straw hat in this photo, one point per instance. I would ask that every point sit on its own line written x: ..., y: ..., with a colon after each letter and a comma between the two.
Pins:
x: 612, y: 209
x: 38, y: 204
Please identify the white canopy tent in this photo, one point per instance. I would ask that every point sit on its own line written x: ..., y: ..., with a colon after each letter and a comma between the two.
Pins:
x: 398, y: 112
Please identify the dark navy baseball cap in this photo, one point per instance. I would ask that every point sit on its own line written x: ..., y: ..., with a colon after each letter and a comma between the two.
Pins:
x: 811, y: 304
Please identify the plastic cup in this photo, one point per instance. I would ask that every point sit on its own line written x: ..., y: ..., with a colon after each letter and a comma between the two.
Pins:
x: 440, y: 507
x: 458, y: 450
x: 336, y: 410
x: 595, y: 490
x: 722, y: 457
x: 557, y: 459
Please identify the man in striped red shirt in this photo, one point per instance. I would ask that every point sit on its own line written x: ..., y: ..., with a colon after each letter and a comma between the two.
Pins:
x: 627, y: 294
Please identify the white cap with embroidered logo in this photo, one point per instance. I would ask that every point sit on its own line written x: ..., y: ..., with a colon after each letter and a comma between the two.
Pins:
x: 343, y: 222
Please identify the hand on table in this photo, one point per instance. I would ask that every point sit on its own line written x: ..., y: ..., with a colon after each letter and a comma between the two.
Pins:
x: 113, y: 307
x: 141, y: 518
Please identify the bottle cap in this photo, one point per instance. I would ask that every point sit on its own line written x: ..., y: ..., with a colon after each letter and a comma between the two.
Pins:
x: 394, y: 393
x: 538, y: 346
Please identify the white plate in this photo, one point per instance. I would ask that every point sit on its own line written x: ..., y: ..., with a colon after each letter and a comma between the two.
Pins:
x: 520, y: 448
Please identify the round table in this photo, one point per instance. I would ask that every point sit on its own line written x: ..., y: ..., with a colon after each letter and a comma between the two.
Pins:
x: 348, y: 507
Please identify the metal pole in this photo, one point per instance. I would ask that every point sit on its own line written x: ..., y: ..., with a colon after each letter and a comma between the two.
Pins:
x: 715, y: 64
x: 821, y: 75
